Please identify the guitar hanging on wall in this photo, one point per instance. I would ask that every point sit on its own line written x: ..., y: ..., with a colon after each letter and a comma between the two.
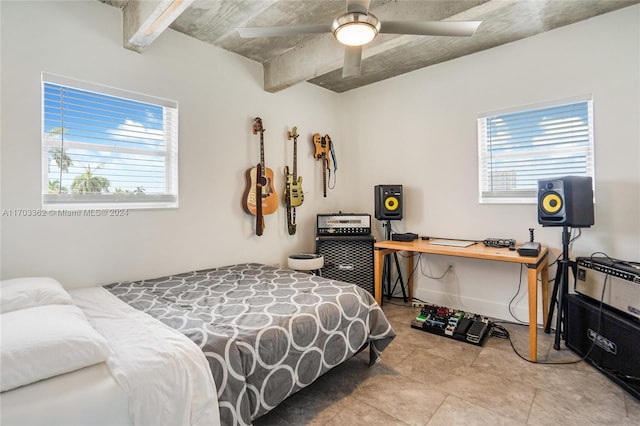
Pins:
x: 322, y: 145
x: 293, y: 195
x: 259, y: 186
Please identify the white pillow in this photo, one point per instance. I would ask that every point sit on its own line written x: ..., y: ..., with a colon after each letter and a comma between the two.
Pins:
x: 22, y: 293
x: 42, y: 342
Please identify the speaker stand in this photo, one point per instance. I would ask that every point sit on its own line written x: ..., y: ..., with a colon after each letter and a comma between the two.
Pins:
x: 560, y: 290
x: 386, y: 268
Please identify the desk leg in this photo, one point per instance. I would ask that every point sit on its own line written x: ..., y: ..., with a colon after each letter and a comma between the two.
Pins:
x: 410, y: 276
x: 544, y: 278
x: 378, y: 259
x: 533, y: 313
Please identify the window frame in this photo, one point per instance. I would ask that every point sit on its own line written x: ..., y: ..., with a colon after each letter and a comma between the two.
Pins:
x: 120, y: 200
x: 529, y: 195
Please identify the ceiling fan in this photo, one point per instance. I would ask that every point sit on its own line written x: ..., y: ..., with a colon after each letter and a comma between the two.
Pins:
x: 358, y: 27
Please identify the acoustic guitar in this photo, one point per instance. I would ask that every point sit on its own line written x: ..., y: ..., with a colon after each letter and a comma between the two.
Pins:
x: 259, y: 185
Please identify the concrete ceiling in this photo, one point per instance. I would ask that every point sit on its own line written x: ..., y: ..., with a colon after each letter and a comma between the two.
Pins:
x: 318, y: 58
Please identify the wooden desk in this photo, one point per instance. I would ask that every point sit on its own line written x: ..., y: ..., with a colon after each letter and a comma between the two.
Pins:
x: 536, y: 265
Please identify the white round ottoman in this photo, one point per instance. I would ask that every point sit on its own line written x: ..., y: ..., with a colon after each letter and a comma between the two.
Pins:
x: 306, y: 262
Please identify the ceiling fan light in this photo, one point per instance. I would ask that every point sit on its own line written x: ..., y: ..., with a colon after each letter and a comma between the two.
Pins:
x: 355, y: 34
x: 355, y: 29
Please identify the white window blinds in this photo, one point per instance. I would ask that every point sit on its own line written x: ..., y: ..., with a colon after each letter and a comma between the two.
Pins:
x: 104, y: 147
x: 517, y: 148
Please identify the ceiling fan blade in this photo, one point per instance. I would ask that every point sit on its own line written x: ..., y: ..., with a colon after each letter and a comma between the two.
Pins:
x: 256, y: 32
x: 352, y: 61
x: 434, y: 28
x: 358, y: 6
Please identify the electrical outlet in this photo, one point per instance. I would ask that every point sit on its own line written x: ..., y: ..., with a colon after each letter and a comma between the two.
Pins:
x: 418, y: 304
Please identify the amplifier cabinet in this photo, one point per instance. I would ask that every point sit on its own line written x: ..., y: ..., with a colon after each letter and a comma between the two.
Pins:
x: 348, y: 258
x: 615, y: 338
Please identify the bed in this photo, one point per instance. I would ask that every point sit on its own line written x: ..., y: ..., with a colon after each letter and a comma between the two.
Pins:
x: 259, y: 333
x: 266, y: 332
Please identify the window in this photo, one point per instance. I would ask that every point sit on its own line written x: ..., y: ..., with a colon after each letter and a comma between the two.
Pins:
x: 104, y: 147
x: 516, y: 148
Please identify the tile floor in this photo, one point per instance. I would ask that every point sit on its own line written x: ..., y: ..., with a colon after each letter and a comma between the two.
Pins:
x: 424, y: 379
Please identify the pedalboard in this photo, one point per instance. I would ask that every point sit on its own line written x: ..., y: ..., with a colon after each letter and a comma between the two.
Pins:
x: 458, y: 325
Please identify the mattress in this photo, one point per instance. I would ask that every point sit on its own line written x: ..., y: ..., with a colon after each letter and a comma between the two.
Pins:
x: 266, y: 332
x: 89, y: 396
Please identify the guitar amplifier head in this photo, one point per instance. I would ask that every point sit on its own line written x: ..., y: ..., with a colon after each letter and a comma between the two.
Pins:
x: 343, y: 224
x: 616, y: 283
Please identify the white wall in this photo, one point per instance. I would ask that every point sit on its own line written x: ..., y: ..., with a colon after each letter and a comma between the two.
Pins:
x: 418, y: 130
x: 422, y: 134
x: 219, y: 94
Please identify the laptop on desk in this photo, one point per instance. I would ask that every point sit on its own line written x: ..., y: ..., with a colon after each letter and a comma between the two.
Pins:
x: 452, y: 243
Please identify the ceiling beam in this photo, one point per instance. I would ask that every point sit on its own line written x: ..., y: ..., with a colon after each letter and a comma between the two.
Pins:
x: 316, y: 57
x: 323, y: 54
x: 144, y: 20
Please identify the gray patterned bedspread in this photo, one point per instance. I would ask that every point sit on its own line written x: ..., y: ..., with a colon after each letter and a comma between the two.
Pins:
x: 266, y: 332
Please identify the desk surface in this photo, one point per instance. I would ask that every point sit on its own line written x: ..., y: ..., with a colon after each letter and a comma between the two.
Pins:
x: 476, y: 251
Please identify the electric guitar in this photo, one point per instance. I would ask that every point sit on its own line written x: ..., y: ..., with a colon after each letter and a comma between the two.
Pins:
x: 293, y: 187
x: 293, y: 195
x: 322, y: 146
x: 259, y: 185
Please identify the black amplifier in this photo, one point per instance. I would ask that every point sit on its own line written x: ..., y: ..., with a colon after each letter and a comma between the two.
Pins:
x: 609, y: 340
x: 343, y: 224
x: 348, y: 258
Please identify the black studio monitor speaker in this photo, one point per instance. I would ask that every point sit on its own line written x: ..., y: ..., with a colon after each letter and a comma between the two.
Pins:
x: 566, y: 201
x: 388, y: 202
